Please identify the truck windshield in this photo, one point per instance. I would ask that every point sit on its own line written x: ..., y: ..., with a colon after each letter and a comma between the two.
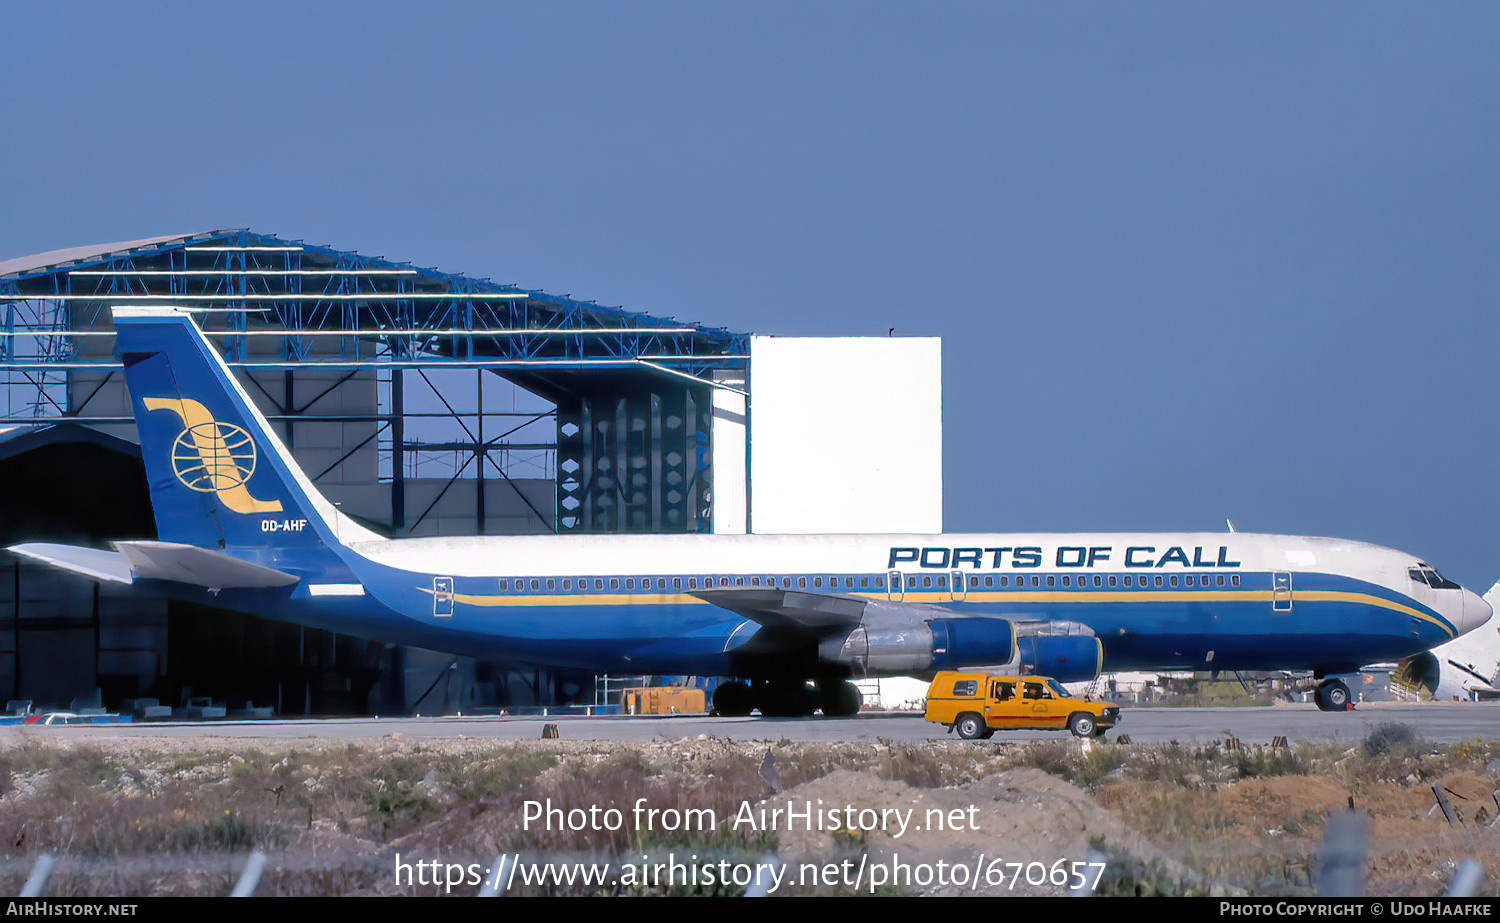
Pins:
x: 1057, y: 689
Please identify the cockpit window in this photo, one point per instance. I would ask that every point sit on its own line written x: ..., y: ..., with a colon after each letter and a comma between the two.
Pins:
x: 1424, y: 574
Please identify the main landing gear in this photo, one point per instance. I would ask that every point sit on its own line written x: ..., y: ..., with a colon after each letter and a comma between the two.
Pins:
x: 834, y: 698
x: 1333, y: 695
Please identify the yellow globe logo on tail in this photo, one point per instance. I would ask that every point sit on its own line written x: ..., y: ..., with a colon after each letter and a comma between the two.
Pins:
x: 213, y: 457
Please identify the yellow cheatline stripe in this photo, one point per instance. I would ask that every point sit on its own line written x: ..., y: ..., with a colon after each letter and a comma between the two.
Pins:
x: 626, y: 599
x: 1330, y: 596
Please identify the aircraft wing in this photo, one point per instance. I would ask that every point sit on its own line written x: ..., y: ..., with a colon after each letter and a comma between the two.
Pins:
x: 817, y: 614
x: 145, y: 560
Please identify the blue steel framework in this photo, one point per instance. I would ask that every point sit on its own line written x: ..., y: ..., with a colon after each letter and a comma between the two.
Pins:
x: 633, y: 411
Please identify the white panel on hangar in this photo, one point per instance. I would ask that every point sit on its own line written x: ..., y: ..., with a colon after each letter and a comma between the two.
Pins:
x: 846, y: 435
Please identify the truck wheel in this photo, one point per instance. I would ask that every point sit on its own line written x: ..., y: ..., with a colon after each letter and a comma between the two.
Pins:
x: 970, y: 726
x: 1081, y: 724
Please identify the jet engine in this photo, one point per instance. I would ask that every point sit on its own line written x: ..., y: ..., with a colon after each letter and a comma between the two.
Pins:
x: 906, y: 640
x: 1065, y: 658
x: 1465, y: 669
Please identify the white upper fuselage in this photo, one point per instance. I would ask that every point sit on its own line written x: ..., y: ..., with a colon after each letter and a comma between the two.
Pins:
x: 1058, y: 555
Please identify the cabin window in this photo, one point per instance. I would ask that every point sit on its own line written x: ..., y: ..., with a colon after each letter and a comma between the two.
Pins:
x: 1111, y: 580
x: 1220, y: 580
x: 536, y: 584
x: 551, y: 585
x: 1235, y: 580
x: 1049, y: 580
x: 942, y: 583
x: 1174, y: 580
x: 502, y: 585
x: 1158, y: 579
x: 739, y: 581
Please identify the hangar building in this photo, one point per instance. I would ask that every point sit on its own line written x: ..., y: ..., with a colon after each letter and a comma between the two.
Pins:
x: 421, y: 402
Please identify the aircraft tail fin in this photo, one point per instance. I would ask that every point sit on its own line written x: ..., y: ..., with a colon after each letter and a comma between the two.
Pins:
x: 219, y: 476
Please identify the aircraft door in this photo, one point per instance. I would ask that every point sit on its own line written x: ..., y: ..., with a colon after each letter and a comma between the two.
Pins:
x: 893, y: 586
x: 959, y: 587
x: 1281, y: 592
x: 442, y: 597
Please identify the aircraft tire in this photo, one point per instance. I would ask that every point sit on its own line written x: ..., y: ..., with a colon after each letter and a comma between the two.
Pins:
x: 839, y: 699
x: 1333, y: 696
x: 794, y: 700
x: 733, y: 700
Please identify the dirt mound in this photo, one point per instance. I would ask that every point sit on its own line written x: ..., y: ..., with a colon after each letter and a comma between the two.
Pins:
x: 1020, y: 816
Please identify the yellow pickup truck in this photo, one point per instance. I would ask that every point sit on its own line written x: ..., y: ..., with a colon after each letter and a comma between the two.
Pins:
x: 979, y: 704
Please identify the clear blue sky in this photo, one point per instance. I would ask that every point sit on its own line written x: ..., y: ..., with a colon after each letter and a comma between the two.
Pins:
x: 1189, y: 260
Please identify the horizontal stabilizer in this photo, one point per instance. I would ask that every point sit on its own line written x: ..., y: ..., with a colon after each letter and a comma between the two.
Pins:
x: 198, y: 566
x: 94, y: 563
x: 156, y: 561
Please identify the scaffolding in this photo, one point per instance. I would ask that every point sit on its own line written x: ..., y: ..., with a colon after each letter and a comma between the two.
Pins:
x: 611, y: 406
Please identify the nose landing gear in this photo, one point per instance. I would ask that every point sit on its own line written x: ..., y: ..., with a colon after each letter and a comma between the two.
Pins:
x: 1333, y: 695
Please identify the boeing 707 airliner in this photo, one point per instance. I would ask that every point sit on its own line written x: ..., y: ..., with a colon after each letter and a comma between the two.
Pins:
x: 786, y: 620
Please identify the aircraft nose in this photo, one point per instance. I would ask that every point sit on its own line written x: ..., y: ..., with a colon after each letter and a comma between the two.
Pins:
x: 1476, y: 612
